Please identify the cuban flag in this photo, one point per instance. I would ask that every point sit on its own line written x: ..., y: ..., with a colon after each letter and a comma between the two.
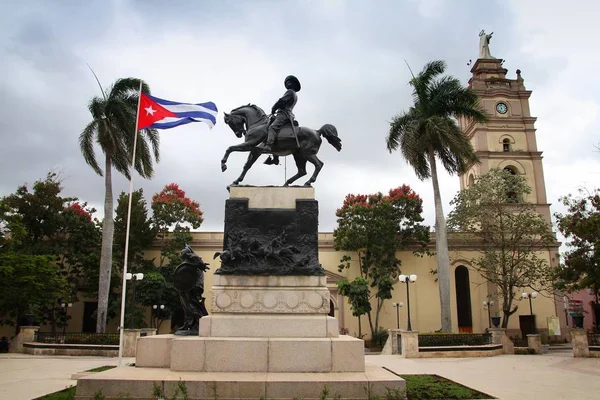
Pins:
x: 165, y: 114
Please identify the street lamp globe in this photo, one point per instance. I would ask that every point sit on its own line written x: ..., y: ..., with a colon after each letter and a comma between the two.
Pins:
x: 534, y: 295
x: 413, y: 278
x: 524, y: 295
x: 402, y: 278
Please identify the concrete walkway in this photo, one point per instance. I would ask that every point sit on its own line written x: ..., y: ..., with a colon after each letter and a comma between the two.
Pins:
x: 551, y: 376
x: 26, y: 377
x: 556, y: 375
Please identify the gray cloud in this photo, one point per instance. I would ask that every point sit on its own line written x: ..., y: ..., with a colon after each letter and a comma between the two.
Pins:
x: 349, y: 57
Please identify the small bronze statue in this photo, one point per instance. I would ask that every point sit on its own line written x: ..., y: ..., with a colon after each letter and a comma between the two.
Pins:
x: 189, y: 282
x: 260, y: 131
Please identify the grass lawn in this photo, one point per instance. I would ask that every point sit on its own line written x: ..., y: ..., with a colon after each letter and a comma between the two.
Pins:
x: 102, y: 368
x: 66, y: 394
x: 424, y: 387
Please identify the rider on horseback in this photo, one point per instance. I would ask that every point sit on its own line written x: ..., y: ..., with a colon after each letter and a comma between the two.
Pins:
x: 282, y: 112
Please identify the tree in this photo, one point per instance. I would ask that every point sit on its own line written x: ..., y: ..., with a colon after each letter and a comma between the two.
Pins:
x: 141, y: 238
x: 42, y: 222
x: 357, y: 293
x: 28, y: 284
x: 34, y: 217
x: 509, y: 236
x: 171, y: 208
x: 581, y: 226
x: 173, y: 215
x: 374, y: 227
x: 112, y: 125
x: 429, y: 130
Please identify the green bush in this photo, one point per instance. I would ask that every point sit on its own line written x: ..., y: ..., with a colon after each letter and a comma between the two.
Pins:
x: 454, y: 339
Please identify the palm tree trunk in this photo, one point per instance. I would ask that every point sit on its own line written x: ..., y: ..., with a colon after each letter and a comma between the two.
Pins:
x: 108, y: 227
x: 441, y: 248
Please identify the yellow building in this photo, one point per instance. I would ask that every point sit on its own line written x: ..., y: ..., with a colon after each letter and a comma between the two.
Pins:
x: 507, y: 141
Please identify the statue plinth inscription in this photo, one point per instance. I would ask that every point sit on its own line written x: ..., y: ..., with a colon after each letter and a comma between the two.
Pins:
x: 273, y: 240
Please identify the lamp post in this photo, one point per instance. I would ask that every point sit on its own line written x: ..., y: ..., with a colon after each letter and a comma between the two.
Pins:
x: 156, y: 308
x: 488, y: 304
x: 134, y: 278
x: 397, y: 306
x: 65, y: 306
x: 530, y: 296
x: 408, y: 279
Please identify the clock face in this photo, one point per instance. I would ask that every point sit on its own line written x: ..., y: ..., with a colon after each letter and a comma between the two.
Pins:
x: 502, y: 108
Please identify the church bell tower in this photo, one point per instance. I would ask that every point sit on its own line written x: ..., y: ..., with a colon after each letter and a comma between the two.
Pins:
x: 508, y: 140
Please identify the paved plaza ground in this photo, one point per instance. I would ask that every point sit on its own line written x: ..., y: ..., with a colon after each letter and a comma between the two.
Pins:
x: 556, y: 375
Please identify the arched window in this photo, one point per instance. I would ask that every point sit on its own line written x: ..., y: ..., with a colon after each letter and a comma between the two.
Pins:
x: 506, y: 145
x: 511, y: 196
x: 471, y: 179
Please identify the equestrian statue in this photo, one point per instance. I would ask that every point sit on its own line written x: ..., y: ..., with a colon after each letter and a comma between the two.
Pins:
x: 278, y: 135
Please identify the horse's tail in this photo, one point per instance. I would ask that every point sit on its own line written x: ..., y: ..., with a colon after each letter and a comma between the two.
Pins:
x: 329, y: 132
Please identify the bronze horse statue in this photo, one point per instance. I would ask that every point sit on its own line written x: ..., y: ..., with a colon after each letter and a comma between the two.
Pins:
x: 301, y: 142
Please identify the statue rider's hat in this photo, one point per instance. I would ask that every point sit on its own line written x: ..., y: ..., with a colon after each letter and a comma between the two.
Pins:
x: 293, y: 81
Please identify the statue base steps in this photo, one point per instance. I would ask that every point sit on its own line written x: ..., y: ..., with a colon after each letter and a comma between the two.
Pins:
x: 244, y: 354
x: 267, y: 336
x: 139, y: 383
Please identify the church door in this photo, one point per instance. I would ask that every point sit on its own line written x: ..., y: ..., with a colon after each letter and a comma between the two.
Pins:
x: 463, y: 299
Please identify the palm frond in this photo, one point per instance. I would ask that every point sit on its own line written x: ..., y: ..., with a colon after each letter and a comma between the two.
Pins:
x: 86, y: 144
x: 154, y: 139
x: 143, y: 158
x: 97, y: 107
x: 397, y: 128
x: 452, y: 147
x: 98, y: 81
x: 124, y: 87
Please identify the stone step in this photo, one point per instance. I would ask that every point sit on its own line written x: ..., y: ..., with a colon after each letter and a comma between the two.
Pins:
x: 214, y: 354
x: 267, y: 326
x: 138, y: 383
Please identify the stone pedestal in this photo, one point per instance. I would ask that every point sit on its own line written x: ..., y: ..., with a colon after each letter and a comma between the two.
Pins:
x: 392, y: 343
x: 26, y: 335
x: 534, y: 342
x: 579, y: 341
x: 409, y: 342
x: 130, y: 337
x: 268, y: 334
x: 499, y: 336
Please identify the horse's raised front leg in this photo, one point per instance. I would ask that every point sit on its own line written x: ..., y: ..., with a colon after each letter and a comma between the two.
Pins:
x: 252, y: 157
x: 246, y: 146
x: 318, y: 165
x: 301, y: 164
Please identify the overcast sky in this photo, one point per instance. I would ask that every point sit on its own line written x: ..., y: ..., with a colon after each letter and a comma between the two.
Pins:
x: 348, y: 55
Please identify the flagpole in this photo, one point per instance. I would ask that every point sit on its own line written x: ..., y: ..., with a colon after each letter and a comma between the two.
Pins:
x: 122, y: 323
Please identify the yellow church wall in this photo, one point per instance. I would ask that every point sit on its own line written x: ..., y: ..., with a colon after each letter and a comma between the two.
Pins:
x: 424, y: 293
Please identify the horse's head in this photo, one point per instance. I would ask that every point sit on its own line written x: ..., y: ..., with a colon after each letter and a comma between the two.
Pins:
x: 244, y: 118
x: 237, y: 123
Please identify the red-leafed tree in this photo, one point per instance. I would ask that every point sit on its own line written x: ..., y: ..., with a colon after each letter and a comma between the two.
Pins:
x: 374, y: 228
x: 173, y: 215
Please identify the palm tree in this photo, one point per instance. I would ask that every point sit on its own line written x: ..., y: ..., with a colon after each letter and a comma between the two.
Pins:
x: 112, y: 127
x: 428, y: 130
